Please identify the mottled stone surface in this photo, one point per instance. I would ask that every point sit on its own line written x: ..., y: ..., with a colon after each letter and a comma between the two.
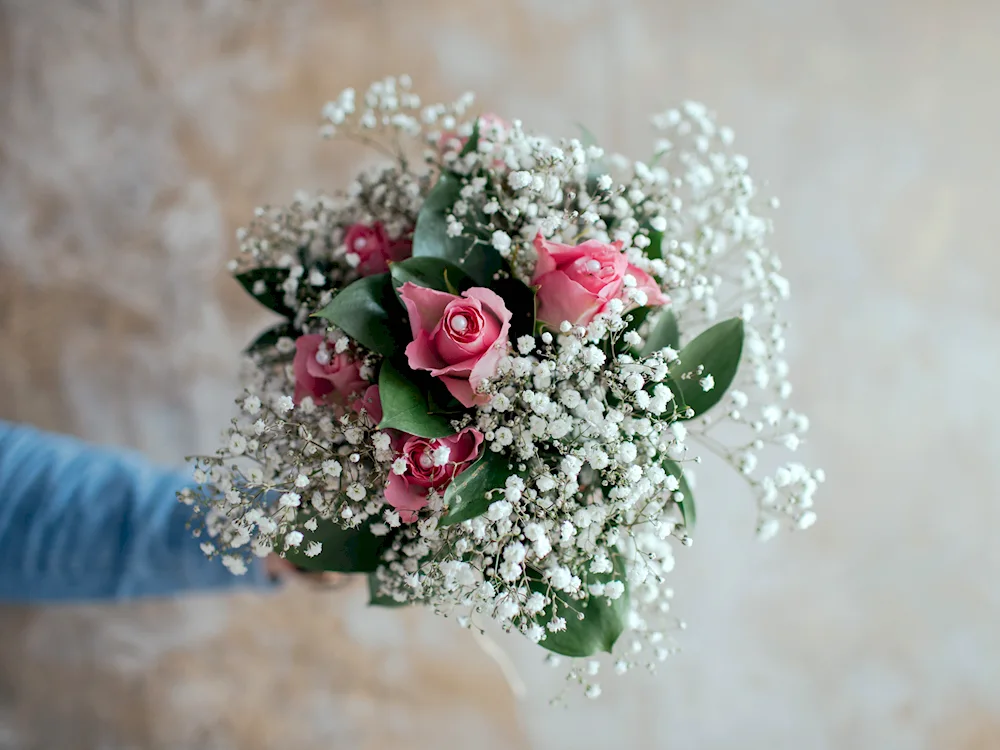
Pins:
x: 135, y: 137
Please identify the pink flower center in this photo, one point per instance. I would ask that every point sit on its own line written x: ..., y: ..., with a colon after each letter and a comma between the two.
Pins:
x: 420, y: 457
x: 595, y: 272
x: 464, y: 324
x: 330, y: 362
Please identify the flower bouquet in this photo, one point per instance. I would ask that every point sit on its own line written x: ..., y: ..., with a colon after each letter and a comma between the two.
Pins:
x: 498, y: 357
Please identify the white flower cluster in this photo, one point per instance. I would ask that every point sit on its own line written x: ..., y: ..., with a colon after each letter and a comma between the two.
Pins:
x: 281, y: 463
x: 599, y: 452
x: 586, y: 436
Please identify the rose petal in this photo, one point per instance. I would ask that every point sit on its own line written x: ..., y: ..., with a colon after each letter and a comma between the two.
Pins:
x: 400, y: 249
x: 305, y: 383
x: 461, y: 390
x: 647, y: 283
x: 375, y: 253
x: 464, y: 446
x: 373, y: 265
x: 560, y: 298
x: 456, y: 351
x: 405, y: 498
x: 371, y: 402
x: 421, y: 354
x: 545, y: 263
x: 487, y: 365
x: 490, y: 299
x: 340, y: 377
x: 424, y: 306
x: 553, y: 255
x: 459, y: 369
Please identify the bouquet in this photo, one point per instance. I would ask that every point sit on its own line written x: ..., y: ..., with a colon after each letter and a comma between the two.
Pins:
x: 499, y: 357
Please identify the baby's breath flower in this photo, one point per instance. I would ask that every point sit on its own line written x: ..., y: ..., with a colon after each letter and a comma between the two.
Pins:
x: 313, y: 549
x: 501, y: 242
x: 535, y: 633
x: 237, y: 444
x: 520, y: 179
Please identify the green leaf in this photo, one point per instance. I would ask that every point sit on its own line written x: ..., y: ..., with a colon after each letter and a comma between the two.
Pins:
x: 655, y: 248
x: 272, y: 296
x: 664, y: 333
x: 430, y: 238
x: 269, y: 338
x: 440, y: 401
x: 603, y: 620
x: 404, y: 405
x: 344, y: 550
x: 473, y: 143
x: 586, y: 137
x: 433, y: 273
x: 376, y: 599
x: 638, y: 316
x: 520, y: 300
x: 368, y: 311
x: 687, y: 504
x: 718, y: 351
x: 468, y: 496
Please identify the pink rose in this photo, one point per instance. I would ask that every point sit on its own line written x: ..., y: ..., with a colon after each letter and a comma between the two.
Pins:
x: 458, y: 339
x: 576, y: 282
x: 431, y: 464
x: 373, y: 247
x: 324, y: 375
x: 371, y: 403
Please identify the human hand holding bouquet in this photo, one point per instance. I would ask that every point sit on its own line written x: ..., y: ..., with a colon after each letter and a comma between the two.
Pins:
x: 493, y: 368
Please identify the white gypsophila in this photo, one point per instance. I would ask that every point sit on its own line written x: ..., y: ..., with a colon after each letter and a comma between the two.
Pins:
x: 587, y: 515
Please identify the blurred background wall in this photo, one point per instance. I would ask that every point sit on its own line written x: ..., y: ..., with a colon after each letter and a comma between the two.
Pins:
x: 136, y: 136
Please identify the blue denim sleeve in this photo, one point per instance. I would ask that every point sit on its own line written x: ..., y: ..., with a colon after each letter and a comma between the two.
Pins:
x: 83, y: 523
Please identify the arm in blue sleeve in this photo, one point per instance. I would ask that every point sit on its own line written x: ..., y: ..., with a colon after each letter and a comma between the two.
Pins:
x: 82, y: 523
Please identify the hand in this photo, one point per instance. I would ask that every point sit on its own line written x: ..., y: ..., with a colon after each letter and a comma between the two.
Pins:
x: 279, y: 569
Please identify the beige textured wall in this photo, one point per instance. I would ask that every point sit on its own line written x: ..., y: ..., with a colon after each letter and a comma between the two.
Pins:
x: 135, y: 137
